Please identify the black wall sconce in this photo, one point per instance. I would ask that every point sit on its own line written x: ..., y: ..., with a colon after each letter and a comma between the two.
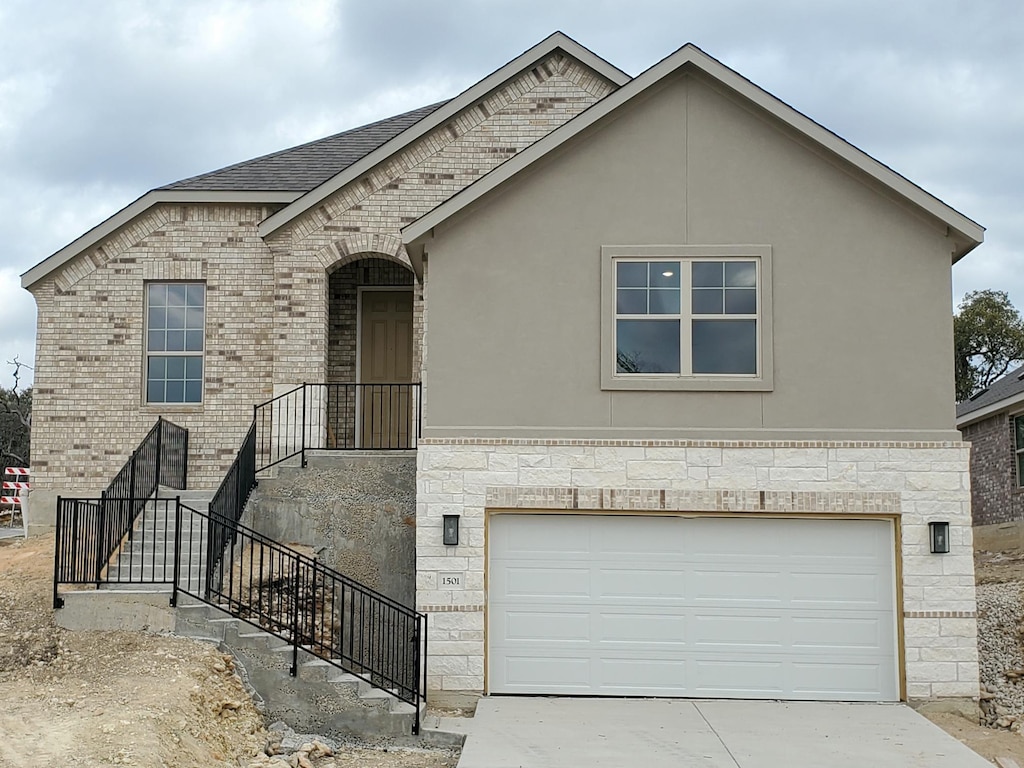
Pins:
x: 450, y: 532
x: 938, y: 533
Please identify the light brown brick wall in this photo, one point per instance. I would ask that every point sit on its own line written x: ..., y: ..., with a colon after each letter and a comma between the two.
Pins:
x: 268, y: 312
x: 88, y: 396
x: 369, y: 213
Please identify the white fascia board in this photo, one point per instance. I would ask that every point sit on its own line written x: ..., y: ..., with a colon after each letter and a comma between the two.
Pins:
x: 1005, y: 404
x: 971, y: 233
x: 467, y: 98
x: 131, y: 211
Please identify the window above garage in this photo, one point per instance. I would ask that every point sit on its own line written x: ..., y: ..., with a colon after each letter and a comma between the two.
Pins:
x: 686, y: 317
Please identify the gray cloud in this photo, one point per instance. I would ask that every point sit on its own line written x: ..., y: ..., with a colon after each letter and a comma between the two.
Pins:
x: 101, y: 101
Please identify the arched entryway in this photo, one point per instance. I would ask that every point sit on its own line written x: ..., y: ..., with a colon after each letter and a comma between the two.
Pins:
x: 370, y: 354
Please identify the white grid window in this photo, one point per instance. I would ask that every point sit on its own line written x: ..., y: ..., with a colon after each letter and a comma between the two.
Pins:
x: 175, y: 342
x: 686, y: 317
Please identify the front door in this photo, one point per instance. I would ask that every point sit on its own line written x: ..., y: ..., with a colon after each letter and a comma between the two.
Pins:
x: 385, y: 369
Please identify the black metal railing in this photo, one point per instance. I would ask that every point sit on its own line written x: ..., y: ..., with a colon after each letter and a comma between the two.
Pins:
x: 305, y: 603
x: 144, y: 556
x: 229, y: 500
x: 337, y: 417
x: 130, y: 536
x: 90, y: 531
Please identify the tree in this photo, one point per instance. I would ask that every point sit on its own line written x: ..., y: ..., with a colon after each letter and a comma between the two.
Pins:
x: 988, y: 334
x: 15, y: 421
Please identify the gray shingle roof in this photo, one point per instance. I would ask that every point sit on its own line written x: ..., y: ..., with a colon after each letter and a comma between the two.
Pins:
x: 1009, y: 385
x: 306, y: 166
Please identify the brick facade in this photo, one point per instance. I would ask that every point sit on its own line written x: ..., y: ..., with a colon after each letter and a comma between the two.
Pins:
x: 279, y: 310
x: 995, y: 495
x: 89, y: 410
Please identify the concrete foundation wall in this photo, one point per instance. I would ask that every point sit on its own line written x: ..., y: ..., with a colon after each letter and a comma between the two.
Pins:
x: 358, y: 512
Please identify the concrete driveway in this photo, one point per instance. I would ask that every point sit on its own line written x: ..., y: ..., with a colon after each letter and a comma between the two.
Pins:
x: 536, y: 732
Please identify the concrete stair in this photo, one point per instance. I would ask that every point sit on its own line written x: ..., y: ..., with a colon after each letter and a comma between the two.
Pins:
x: 146, y: 557
x: 321, y: 698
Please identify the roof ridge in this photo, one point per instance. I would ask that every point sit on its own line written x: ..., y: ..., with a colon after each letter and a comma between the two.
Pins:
x: 427, y: 110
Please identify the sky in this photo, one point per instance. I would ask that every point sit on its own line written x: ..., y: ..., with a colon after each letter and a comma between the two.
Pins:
x: 101, y: 101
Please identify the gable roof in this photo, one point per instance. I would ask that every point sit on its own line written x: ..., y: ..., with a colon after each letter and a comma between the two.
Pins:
x: 301, y: 168
x: 1002, y: 393
x: 302, y: 176
x: 965, y: 233
x: 549, y: 45
x: 280, y: 177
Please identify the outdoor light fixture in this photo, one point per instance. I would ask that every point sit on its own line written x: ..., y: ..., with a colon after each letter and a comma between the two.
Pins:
x: 939, y: 535
x: 451, y: 530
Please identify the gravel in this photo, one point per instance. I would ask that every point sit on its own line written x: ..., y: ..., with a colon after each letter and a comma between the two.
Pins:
x: 1000, y: 623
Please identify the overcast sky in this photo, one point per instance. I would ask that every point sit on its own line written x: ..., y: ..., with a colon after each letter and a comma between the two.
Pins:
x: 101, y: 101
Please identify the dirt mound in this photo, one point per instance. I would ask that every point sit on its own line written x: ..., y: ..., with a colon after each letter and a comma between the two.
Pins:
x: 123, y: 698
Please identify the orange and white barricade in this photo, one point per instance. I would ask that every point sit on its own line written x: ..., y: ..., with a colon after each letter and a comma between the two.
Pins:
x: 14, y: 497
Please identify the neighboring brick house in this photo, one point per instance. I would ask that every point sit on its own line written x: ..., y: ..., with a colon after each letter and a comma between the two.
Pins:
x: 993, y: 423
x: 630, y: 300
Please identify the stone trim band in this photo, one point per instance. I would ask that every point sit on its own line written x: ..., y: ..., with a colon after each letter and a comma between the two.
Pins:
x: 616, y: 443
x: 940, y: 614
x: 450, y: 608
x: 841, y: 502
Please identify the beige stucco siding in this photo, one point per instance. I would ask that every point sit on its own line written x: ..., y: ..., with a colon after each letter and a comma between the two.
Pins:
x: 860, y: 284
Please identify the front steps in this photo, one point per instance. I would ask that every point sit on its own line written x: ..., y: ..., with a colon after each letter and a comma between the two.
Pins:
x: 146, y: 558
x: 321, y: 699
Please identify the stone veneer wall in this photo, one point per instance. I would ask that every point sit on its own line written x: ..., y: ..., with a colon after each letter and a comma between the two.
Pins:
x: 917, y: 482
x: 995, y: 497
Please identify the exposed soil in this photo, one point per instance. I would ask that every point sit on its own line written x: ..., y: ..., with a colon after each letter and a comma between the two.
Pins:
x: 122, y: 698
x: 1000, y: 578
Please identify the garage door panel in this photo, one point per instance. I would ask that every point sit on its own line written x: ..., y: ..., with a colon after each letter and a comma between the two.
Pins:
x: 546, y: 626
x: 722, y: 631
x: 848, y: 681
x: 849, y: 633
x: 647, y: 630
x: 657, y: 541
x: 724, y: 585
x: 645, y: 584
x: 709, y: 613
x: 530, y: 673
x: 654, y: 676
x: 852, y: 591
x: 728, y: 678
x: 518, y: 581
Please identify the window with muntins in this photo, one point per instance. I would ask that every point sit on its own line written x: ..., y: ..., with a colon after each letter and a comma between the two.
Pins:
x: 1018, y: 430
x: 693, y: 319
x: 175, y: 342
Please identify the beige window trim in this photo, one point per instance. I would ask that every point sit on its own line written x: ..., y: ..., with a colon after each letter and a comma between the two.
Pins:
x: 611, y: 380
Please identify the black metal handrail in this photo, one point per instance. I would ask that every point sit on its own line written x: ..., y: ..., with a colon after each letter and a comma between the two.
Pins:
x: 90, y: 531
x: 305, y: 603
x: 337, y: 417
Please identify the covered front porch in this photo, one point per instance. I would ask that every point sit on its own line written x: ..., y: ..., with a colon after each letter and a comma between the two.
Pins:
x: 370, y: 397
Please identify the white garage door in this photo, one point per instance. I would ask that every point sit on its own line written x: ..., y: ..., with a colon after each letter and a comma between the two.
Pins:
x: 702, y: 607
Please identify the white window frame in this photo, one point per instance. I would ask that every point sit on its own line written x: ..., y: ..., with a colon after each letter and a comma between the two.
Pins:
x: 147, y: 352
x: 611, y: 379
